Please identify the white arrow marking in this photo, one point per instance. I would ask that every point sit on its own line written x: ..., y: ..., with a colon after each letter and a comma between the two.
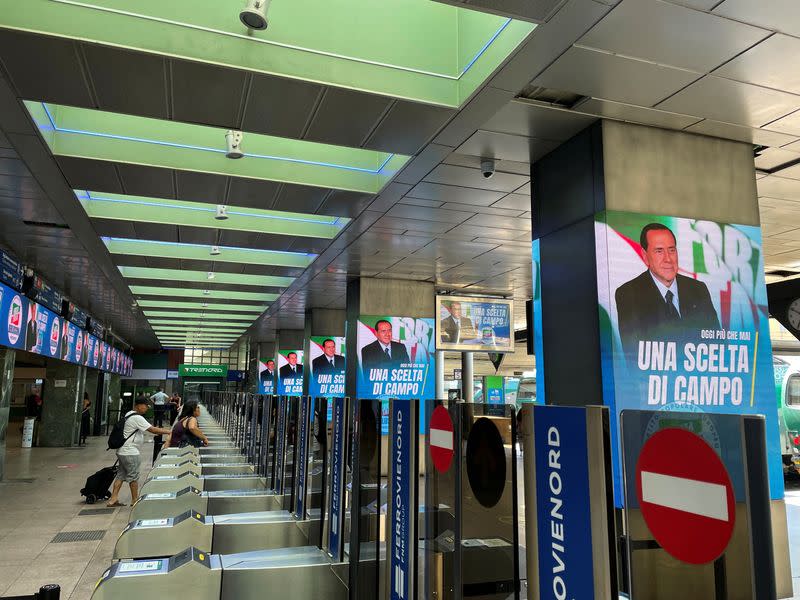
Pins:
x: 687, y: 495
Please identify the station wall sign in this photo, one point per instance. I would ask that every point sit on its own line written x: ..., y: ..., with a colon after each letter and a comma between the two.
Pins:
x: 202, y: 370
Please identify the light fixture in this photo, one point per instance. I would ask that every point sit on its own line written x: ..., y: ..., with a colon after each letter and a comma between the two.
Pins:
x: 233, y: 141
x: 254, y: 15
x: 210, y: 275
x: 222, y: 212
x: 215, y: 251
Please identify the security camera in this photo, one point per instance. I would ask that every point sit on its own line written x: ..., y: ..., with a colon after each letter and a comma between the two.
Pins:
x: 233, y: 140
x: 215, y: 251
x: 222, y: 212
x: 206, y: 292
x: 254, y: 14
x: 487, y: 167
x: 210, y: 275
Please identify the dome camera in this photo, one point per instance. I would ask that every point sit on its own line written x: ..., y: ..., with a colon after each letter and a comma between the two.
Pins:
x: 487, y: 167
x: 233, y: 141
x: 215, y: 251
x: 222, y: 212
x: 254, y: 15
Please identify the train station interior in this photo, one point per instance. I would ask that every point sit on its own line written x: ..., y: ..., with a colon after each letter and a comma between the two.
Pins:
x: 400, y: 299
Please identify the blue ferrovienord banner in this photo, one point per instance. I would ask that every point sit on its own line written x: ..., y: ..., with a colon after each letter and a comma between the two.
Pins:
x: 401, y: 542
x: 337, y: 472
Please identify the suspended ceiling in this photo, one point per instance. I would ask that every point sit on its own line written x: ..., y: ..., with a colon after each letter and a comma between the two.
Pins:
x: 704, y: 66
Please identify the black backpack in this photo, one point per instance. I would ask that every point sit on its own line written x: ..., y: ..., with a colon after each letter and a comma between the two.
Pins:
x: 117, y: 437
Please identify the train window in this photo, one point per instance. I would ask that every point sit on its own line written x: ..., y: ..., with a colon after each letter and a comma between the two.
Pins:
x: 793, y: 390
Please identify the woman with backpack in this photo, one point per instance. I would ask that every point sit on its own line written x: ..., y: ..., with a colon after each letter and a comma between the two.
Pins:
x: 186, y: 431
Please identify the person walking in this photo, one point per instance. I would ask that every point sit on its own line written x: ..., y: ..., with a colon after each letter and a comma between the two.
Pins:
x: 86, y: 419
x: 128, y: 455
x: 186, y: 431
x: 159, y: 400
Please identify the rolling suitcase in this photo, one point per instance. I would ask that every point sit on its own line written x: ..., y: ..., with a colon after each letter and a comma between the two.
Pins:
x: 96, y: 486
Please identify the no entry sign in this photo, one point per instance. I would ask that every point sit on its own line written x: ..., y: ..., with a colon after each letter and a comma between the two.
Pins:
x: 441, y: 437
x: 685, y: 495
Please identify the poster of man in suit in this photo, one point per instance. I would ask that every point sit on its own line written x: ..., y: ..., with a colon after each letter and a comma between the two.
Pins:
x: 327, y: 366
x: 684, y: 319
x: 396, y: 357
x: 266, y: 376
x: 290, y: 372
x: 470, y: 324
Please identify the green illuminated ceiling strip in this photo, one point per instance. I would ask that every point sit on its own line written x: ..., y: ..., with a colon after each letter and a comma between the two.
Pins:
x: 195, y: 322
x: 202, y: 276
x: 172, y: 292
x: 141, y: 209
x: 196, y: 328
x: 202, y: 305
x: 197, y: 252
x: 116, y: 137
x: 415, y: 49
x: 198, y: 314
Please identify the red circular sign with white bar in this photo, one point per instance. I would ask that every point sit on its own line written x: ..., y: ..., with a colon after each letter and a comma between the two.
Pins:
x: 685, y: 495
x: 441, y: 439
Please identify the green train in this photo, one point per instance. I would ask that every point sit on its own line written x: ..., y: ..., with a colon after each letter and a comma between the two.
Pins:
x: 787, y: 391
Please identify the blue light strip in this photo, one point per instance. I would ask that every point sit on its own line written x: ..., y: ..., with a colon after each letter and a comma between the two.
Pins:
x: 183, y: 244
x: 483, y: 50
x: 125, y: 138
x: 89, y: 196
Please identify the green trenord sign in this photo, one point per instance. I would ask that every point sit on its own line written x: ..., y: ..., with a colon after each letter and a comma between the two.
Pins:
x: 202, y: 370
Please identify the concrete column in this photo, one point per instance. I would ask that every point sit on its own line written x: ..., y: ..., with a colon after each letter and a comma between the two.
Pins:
x: 328, y: 322
x: 7, y: 358
x: 368, y: 296
x: 252, y: 369
x: 467, y: 377
x: 617, y: 210
x: 440, y: 393
x: 63, y: 389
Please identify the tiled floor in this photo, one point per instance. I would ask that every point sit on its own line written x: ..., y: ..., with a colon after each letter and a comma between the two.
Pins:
x: 31, y: 514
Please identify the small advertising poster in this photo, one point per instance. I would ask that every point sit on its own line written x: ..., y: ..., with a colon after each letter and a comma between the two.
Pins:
x: 69, y: 342
x: 290, y: 372
x: 266, y: 376
x: 43, y: 333
x: 396, y: 357
x: 92, y: 351
x: 326, y: 356
x: 13, y: 308
x: 474, y: 324
x: 685, y: 323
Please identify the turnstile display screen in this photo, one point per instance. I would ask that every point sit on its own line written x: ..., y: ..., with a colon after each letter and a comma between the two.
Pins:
x: 146, y: 565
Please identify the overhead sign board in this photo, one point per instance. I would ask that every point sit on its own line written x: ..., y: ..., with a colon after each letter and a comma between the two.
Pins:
x: 474, y: 324
x: 203, y: 370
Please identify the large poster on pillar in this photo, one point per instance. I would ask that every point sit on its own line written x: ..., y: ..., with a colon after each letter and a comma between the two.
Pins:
x: 684, y: 322
x: 396, y: 357
x: 326, y: 359
x: 266, y: 376
x: 290, y: 372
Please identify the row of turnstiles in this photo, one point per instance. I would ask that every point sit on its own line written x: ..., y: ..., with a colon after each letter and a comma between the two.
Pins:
x: 269, y: 508
x: 227, y: 520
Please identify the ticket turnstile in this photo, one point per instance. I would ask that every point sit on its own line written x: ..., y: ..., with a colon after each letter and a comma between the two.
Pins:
x: 306, y: 572
x: 205, y: 483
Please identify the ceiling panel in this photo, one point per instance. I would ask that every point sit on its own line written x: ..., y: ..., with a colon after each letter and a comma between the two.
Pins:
x: 300, y: 198
x: 222, y: 91
x: 635, y: 114
x: 772, y: 158
x: 200, y: 187
x: 84, y: 174
x: 599, y: 74
x: 462, y: 176
x: 145, y: 181
x: 732, y: 102
x: 452, y: 193
x: 789, y: 124
x: 252, y: 193
x: 408, y: 126
x: 44, y: 68
x: 779, y: 187
x: 766, y: 64
x: 345, y: 117
x: 514, y: 201
x: 280, y: 107
x: 682, y: 37
x: 341, y: 203
x: 142, y: 90
x: 780, y: 15
x: 504, y: 146
x: 741, y: 133
x: 429, y: 214
x: 521, y: 117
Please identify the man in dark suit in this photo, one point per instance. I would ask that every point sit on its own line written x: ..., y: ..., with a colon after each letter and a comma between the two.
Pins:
x: 457, y: 328
x: 291, y: 370
x: 268, y: 374
x: 329, y: 363
x: 383, y: 353
x: 660, y: 304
